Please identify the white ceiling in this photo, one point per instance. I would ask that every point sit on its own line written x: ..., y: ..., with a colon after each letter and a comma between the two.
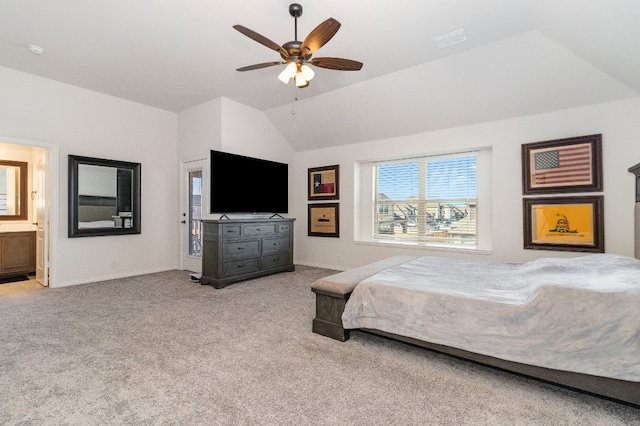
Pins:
x: 521, y: 57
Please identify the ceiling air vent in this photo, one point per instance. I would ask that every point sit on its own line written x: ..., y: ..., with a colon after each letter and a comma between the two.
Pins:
x: 449, y: 39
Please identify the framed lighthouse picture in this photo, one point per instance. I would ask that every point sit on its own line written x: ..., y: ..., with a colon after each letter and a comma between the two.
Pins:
x: 566, y: 224
x: 324, y: 183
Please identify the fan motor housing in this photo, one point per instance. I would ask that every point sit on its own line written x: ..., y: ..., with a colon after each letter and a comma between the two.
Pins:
x: 295, y: 52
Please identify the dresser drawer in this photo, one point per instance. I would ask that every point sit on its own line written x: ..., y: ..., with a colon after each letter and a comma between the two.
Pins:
x: 241, y: 249
x: 239, y: 267
x: 273, y: 245
x: 285, y: 228
x: 260, y: 229
x: 230, y: 231
x: 274, y: 260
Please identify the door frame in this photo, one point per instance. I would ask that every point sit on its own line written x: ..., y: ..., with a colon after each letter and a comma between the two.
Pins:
x: 40, y: 196
x: 51, y: 228
x: 185, y: 168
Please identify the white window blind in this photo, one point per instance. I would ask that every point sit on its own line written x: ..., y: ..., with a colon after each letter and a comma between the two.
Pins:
x: 427, y: 199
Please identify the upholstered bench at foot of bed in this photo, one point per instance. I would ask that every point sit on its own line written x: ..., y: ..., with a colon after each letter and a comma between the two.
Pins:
x: 332, y: 293
x: 328, y: 320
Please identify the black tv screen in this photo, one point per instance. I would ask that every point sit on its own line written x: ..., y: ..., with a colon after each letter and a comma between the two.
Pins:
x: 241, y: 184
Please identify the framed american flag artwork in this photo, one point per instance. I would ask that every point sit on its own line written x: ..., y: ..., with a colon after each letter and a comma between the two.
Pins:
x: 562, y: 165
x: 324, y: 183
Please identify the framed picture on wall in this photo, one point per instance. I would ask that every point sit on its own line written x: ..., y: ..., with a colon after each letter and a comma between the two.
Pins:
x: 567, y: 224
x: 324, y: 220
x: 562, y: 165
x: 324, y: 183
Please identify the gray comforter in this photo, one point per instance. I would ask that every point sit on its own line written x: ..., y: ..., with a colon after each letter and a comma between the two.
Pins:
x: 579, y: 314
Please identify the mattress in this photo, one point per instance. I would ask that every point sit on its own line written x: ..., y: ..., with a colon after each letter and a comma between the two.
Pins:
x: 574, y: 314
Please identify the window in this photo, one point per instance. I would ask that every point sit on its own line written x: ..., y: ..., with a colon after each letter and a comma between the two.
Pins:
x: 195, y: 213
x: 427, y: 200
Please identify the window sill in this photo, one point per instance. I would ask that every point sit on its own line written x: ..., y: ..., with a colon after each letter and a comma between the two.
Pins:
x: 426, y: 246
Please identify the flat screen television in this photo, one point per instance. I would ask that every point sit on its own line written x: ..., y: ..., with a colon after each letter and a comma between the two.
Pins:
x: 241, y: 184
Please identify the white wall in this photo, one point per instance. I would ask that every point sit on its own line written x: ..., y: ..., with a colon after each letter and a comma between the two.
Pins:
x: 82, y: 122
x: 199, y: 130
x: 247, y: 131
x: 226, y: 125
x: 621, y: 149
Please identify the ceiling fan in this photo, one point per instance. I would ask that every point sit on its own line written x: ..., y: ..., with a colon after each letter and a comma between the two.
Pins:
x: 297, y: 54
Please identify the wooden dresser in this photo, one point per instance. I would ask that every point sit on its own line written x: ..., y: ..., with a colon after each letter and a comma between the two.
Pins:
x: 17, y: 253
x: 235, y: 250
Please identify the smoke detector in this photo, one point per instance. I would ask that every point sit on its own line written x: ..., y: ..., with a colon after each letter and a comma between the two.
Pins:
x: 36, y: 49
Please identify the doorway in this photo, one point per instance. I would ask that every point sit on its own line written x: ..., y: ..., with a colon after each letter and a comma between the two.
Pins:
x: 42, y: 189
x: 191, y: 206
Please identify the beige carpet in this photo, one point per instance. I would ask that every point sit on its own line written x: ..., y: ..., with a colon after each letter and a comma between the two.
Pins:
x: 158, y: 349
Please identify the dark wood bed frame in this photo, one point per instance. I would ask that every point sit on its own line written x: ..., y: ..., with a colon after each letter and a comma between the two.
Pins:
x: 333, y: 292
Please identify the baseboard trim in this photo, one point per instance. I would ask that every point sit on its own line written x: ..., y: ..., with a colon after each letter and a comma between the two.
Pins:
x: 318, y: 265
x: 111, y: 277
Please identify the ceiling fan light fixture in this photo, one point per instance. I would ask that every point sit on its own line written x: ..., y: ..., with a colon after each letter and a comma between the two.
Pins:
x: 291, y: 69
x: 307, y: 72
x: 301, y: 81
x: 284, y: 76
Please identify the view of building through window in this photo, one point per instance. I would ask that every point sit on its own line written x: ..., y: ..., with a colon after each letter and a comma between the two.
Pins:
x: 427, y: 199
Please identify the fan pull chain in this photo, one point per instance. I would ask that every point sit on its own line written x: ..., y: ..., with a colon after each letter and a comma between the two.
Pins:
x: 295, y: 99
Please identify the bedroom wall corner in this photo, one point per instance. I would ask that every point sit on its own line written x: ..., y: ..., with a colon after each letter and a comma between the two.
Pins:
x: 616, y: 121
x: 229, y: 126
x: 82, y: 122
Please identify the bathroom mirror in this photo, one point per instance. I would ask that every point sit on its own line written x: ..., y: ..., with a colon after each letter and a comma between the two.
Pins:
x: 13, y: 190
x: 104, y: 197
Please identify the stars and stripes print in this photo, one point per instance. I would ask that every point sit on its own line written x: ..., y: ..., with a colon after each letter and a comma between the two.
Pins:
x: 567, y: 165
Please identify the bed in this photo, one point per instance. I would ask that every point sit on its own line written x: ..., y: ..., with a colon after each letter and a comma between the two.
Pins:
x: 574, y: 322
x: 96, y: 212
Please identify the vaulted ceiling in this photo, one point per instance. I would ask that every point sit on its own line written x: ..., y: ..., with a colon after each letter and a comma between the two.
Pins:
x: 521, y: 57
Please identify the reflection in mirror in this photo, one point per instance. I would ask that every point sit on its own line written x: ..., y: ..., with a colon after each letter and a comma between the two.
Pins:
x: 104, y: 197
x: 13, y: 190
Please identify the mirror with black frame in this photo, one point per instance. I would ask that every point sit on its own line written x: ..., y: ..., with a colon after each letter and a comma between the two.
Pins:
x: 104, y: 197
x: 13, y: 190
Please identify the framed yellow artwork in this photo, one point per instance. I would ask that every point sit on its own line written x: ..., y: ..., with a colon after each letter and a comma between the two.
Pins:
x: 324, y: 220
x: 567, y: 224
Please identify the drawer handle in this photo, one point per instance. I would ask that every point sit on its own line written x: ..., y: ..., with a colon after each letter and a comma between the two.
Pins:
x: 276, y: 260
x: 276, y: 244
x: 241, y: 266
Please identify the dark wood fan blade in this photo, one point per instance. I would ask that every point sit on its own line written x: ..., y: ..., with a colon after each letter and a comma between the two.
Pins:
x: 337, y: 64
x: 258, y: 66
x: 320, y: 36
x: 261, y: 39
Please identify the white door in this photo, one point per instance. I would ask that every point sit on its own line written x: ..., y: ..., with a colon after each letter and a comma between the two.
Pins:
x: 191, y: 206
x: 41, y: 204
